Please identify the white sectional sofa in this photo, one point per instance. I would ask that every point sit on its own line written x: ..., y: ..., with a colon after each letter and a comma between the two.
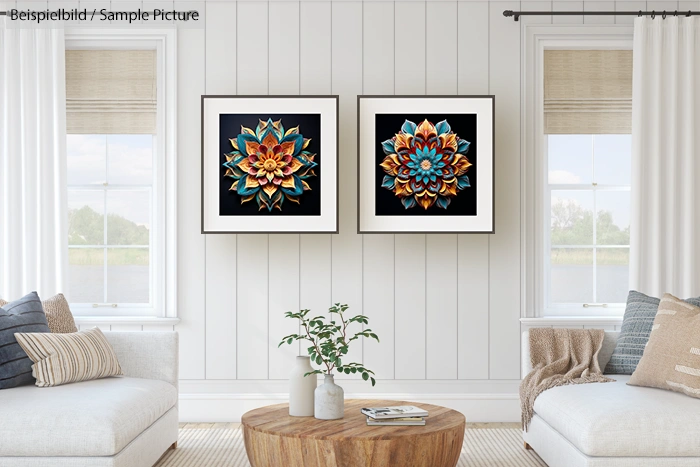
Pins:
x: 127, y: 421
x: 612, y: 424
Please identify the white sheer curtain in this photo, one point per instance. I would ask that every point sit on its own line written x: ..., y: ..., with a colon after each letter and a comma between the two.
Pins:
x: 665, y: 224
x: 33, y: 206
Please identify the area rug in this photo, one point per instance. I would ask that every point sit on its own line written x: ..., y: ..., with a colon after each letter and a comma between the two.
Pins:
x: 223, y: 447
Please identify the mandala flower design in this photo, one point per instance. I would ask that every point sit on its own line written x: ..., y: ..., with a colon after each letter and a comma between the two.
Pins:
x: 269, y: 164
x: 425, y: 164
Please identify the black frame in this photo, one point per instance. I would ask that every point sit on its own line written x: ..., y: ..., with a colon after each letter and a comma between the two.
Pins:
x: 493, y: 161
x: 337, y: 159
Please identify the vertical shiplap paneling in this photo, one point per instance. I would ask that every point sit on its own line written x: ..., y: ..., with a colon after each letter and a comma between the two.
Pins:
x: 628, y: 6
x: 252, y: 250
x: 315, y: 47
x: 283, y: 289
x: 473, y: 250
x: 283, y: 278
x: 191, y: 255
x: 504, y: 247
x: 378, y: 250
x: 315, y: 37
x: 527, y: 171
x: 598, y: 6
x: 660, y: 5
x: 283, y: 60
x: 347, y: 245
x: 410, y: 48
x: 346, y: 262
x: 441, y: 250
x: 539, y: 5
x: 409, y: 250
x: 443, y: 42
x: 567, y: 6
x: 221, y: 249
x: 688, y: 5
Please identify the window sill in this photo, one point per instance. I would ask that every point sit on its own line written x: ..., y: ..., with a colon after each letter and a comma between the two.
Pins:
x: 572, y: 321
x: 138, y: 320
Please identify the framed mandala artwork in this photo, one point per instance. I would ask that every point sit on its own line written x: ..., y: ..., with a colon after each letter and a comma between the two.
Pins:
x: 269, y: 164
x: 425, y: 164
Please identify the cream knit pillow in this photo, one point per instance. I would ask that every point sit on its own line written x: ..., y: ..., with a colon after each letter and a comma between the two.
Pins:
x: 68, y: 358
x: 671, y: 359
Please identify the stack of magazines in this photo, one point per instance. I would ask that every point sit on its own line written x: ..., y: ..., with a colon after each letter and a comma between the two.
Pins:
x: 402, y: 415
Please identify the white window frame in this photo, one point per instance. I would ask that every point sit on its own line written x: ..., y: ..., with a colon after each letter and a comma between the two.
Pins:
x: 163, y: 246
x: 534, y: 174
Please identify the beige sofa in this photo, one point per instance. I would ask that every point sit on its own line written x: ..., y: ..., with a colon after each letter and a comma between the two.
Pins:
x: 127, y: 421
x: 612, y: 424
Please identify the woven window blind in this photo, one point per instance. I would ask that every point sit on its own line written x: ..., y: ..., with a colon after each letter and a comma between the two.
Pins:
x: 587, y: 91
x: 111, y: 91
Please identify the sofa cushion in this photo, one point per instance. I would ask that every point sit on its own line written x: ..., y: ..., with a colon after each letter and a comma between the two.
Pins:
x: 614, y: 419
x: 634, y: 334
x: 58, y: 313
x: 69, y: 357
x: 671, y: 359
x: 90, y: 418
x: 23, y: 315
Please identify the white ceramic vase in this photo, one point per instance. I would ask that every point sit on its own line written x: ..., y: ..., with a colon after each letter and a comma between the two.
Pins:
x: 301, y: 389
x: 329, y: 400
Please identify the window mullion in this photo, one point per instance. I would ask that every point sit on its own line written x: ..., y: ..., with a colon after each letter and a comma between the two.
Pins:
x: 595, y: 224
x: 104, y: 240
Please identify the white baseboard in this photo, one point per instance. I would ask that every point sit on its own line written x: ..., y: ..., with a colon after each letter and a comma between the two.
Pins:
x: 230, y: 407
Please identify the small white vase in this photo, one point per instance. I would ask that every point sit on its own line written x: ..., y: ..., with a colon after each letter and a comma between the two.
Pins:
x: 301, y: 389
x: 329, y: 400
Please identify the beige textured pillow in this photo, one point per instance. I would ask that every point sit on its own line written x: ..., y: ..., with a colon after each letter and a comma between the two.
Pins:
x: 671, y: 359
x: 57, y: 312
x: 68, y: 358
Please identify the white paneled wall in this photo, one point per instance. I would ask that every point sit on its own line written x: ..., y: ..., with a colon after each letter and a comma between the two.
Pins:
x: 446, y: 307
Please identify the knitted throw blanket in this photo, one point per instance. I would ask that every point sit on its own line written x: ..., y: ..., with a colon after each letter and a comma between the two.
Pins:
x: 560, y: 357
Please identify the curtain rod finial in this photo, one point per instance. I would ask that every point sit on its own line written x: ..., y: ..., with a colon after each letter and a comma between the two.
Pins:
x: 511, y: 13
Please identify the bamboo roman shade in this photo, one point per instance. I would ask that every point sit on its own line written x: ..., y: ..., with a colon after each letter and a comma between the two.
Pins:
x: 111, y: 91
x: 587, y: 91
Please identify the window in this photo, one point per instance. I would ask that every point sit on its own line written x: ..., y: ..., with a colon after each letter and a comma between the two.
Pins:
x: 120, y: 157
x: 576, y: 171
x: 588, y: 202
x: 110, y: 218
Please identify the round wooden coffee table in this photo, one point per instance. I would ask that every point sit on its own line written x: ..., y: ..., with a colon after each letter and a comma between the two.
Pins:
x: 273, y: 438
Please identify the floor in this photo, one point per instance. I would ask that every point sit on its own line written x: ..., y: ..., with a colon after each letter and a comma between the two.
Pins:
x: 204, y: 426
x: 222, y: 445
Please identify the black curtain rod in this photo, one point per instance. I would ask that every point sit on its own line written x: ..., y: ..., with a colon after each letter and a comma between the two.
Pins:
x: 517, y: 14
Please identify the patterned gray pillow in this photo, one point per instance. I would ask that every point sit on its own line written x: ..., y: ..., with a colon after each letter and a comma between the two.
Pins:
x: 23, y: 315
x: 634, y: 335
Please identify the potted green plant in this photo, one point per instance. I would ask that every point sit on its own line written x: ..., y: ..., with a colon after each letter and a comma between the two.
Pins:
x: 330, y: 339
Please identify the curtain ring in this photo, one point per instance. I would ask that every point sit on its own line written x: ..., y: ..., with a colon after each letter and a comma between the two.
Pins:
x: 653, y: 14
x: 675, y: 13
x: 640, y: 14
x: 663, y: 16
x: 688, y: 15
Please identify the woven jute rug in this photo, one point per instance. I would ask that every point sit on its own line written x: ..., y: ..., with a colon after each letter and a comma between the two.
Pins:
x: 223, y: 447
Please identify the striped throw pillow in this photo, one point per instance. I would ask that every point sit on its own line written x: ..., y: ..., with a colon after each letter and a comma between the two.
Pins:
x: 68, y: 358
x: 671, y: 359
x: 58, y: 314
x: 23, y: 315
